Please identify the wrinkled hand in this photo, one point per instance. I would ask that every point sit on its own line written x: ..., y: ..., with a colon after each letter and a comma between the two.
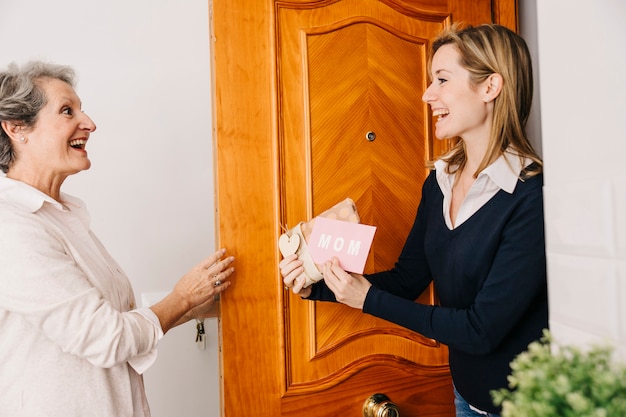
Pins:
x: 204, y: 311
x: 349, y: 289
x: 204, y: 281
x: 292, y: 272
x: 194, y: 294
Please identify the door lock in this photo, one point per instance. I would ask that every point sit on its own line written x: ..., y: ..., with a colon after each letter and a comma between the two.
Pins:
x: 379, y: 405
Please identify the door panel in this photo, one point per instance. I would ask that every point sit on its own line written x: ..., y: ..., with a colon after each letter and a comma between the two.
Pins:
x: 298, y: 86
x: 361, y: 70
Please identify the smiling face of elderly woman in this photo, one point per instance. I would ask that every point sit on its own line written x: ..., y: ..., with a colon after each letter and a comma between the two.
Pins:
x: 47, y: 133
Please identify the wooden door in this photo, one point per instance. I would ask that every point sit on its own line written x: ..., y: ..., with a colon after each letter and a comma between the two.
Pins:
x: 299, y: 85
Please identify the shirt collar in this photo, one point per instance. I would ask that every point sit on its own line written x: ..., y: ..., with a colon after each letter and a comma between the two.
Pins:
x: 31, y: 198
x: 504, y: 172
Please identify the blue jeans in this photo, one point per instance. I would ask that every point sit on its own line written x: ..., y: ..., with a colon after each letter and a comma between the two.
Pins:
x: 463, y: 408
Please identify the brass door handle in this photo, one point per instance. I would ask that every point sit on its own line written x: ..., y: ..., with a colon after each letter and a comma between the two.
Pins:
x: 379, y: 405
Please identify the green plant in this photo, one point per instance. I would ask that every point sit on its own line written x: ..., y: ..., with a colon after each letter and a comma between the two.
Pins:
x: 550, y: 380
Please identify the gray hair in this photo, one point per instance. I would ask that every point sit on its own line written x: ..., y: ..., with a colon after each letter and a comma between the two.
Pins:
x: 22, y: 97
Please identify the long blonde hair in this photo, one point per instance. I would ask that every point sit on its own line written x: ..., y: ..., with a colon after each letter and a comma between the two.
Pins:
x: 485, y: 50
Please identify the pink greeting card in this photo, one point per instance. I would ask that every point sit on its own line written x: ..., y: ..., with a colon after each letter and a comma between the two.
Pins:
x: 348, y: 242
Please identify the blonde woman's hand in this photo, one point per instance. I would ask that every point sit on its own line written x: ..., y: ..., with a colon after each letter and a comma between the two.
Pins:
x: 292, y: 272
x: 349, y: 289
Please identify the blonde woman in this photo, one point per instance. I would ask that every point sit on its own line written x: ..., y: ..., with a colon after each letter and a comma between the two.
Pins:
x: 478, y: 234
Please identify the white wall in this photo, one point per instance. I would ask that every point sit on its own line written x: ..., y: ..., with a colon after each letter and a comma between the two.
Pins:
x: 144, y: 77
x: 582, y: 67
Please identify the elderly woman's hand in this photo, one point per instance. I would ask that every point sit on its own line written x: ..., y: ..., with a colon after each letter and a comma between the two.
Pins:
x: 206, y: 279
x: 292, y: 272
x: 193, y: 295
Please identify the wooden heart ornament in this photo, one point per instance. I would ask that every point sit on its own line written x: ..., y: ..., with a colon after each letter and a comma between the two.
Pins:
x: 288, y: 245
x: 295, y: 240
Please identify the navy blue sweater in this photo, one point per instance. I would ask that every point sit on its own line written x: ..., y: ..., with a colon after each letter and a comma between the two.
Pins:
x: 490, y: 277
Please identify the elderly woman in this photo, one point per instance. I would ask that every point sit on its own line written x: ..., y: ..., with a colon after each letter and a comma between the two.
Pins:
x: 73, y: 342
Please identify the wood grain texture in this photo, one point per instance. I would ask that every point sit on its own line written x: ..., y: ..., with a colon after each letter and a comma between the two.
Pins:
x: 249, y: 324
x: 428, y: 395
x: 505, y: 13
x: 297, y: 85
x: 351, y: 70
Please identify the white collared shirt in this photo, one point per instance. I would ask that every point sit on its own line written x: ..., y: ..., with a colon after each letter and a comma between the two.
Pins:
x: 72, y: 340
x: 502, y: 174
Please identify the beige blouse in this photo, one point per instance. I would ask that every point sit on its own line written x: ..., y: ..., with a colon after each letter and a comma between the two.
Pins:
x: 72, y: 342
